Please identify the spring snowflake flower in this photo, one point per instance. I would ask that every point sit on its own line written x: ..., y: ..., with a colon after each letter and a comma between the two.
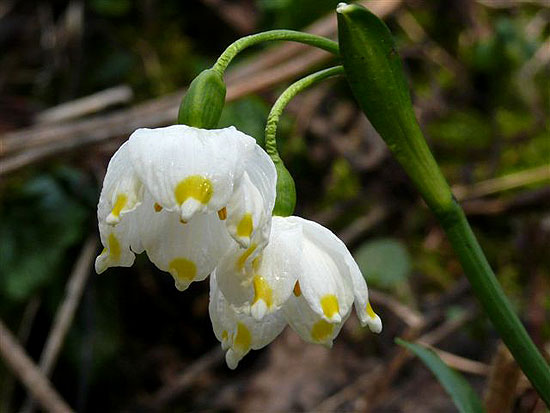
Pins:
x: 183, y: 195
x: 305, y: 277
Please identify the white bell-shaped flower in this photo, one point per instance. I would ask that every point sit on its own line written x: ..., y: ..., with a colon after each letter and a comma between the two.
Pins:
x: 305, y: 275
x: 180, y: 193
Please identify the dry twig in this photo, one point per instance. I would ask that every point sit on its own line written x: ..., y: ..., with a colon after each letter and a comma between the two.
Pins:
x: 65, y: 313
x: 23, y: 367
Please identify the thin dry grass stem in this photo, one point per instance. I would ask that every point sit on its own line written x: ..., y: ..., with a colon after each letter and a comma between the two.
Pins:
x: 17, y: 360
x: 65, y: 313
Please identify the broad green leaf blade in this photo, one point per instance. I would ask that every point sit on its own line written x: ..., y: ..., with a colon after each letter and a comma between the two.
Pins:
x: 385, y: 262
x: 464, y: 397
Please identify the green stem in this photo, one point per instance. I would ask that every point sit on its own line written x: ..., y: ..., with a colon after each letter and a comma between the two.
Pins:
x: 272, y: 35
x: 489, y: 292
x: 284, y: 99
x: 286, y: 190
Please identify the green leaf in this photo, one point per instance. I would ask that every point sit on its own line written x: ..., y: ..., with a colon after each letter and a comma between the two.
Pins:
x: 384, y: 262
x: 464, y: 397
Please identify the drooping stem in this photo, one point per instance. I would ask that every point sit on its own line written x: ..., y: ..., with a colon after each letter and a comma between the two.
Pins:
x: 284, y: 99
x: 272, y: 35
x: 286, y: 190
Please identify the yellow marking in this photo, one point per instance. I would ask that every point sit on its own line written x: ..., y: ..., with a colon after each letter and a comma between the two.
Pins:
x: 256, y: 262
x: 222, y: 214
x: 321, y: 330
x: 262, y: 291
x: 243, y: 339
x: 245, y: 226
x: 183, y: 221
x: 370, y: 311
x: 242, y: 259
x: 183, y: 269
x: 224, y: 335
x: 157, y: 207
x: 297, y: 289
x: 329, y: 304
x: 196, y: 187
x: 120, y: 203
x: 114, y: 247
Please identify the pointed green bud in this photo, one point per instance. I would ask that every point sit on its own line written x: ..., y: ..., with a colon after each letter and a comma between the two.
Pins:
x: 377, y: 80
x: 202, y: 105
x: 286, y: 191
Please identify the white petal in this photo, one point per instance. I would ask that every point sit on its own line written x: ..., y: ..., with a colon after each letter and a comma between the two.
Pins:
x: 324, y: 281
x: 309, y: 324
x: 363, y: 308
x: 263, y: 286
x: 247, y: 216
x: 249, y: 209
x: 188, y: 251
x: 122, y: 191
x: 238, y: 332
x: 189, y: 170
x: 118, y: 242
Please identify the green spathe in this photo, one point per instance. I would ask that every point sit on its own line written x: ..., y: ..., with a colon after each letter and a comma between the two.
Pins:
x: 203, y: 103
x: 286, y: 191
x: 375, y: 74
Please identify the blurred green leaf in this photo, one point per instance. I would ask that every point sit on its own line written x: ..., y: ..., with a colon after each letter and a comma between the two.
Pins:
x: 112, y: 8
x: 461, y: 130
x: 464, y: 397
x: 247, y: 115
x: 40, y: 221
x: 384, y: 262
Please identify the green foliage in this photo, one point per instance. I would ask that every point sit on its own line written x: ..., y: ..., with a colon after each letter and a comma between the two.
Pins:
x: 292, y: 15
x: 247, y: 115
x: 461, y: 130
x: 464, y: 397
x: 40, y: 222
x: 384, y: 262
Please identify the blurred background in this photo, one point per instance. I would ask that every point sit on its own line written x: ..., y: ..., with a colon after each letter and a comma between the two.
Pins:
x: 77, y: 77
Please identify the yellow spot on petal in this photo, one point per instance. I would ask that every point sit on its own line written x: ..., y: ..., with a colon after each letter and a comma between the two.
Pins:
x: 242, y: 259
x: 262, y: 291
x: 297, y: 290
x: 183, y: 269
x: 222, y: 214
x: 243, y: 339
x: 245, y: 226
x: 114, y: 247
x: 370, y: 311
x: 196, y: 187
x: 321, y: 330
x: 256, y: 263
x: 329, y: 304
x: 120, y: 203
x: 183, y: 221
x: 157, y: 207
x: 224, y: 335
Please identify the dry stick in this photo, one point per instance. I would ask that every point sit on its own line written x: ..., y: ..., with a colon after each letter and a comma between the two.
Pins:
x: 31, y: 309
x: 500, y: 392
x: 65, y: 314
x: 173, y: 389
x: 503, y: 183
x: 24, y: 368
x: 159, y: 111
x: 86, y: 105
x: 383, y: 375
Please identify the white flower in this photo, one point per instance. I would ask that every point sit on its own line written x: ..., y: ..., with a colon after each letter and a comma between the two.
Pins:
x: 181, y: 194
x: 305, y: 277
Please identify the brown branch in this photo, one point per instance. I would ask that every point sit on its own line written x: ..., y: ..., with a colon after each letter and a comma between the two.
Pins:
x: 41, y: 142
x: 65, y: 314
x: 23, y: 367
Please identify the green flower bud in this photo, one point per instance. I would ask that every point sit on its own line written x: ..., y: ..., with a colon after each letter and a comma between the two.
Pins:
x: 286, y: 191
x: 376, y: 78
x: 202, y: 105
